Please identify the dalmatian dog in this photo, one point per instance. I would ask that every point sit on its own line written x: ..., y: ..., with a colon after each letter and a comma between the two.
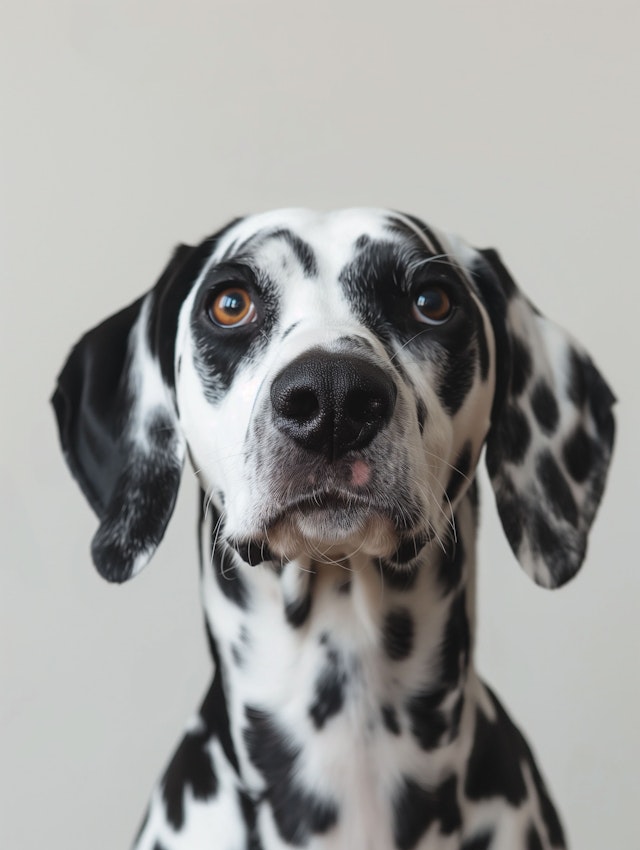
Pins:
x: 333, y: 379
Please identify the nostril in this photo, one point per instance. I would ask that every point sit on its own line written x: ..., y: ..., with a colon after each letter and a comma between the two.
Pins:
x: 364, y: 406
x: 301, y: 405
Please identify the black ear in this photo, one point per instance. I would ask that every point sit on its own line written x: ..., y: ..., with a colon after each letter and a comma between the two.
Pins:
x: 551, y: 438
x: 118, y: 424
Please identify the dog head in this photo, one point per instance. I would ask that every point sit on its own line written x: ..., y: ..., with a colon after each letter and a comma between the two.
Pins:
x: 334, y: 378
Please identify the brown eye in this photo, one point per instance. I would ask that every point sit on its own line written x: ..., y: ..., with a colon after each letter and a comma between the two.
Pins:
x: 232, y: 307
x: 432, y: 306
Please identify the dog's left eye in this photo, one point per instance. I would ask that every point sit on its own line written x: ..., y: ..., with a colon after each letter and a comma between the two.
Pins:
x: 232, y: 307
x: 432, y: 306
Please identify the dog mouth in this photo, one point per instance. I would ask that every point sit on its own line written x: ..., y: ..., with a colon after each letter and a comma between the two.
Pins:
x: 333, y: 521
x: 328, y: 501
x: 331, y: 505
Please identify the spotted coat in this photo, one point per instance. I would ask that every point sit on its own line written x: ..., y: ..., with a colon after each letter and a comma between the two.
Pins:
x: 333, y: 379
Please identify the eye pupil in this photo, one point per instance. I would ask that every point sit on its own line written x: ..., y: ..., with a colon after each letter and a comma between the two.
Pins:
x: 432, y: 306
x: 232, y: 307
x: 232, y: 303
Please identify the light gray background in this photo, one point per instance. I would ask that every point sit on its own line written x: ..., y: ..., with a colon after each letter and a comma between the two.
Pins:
x: 126, y: 127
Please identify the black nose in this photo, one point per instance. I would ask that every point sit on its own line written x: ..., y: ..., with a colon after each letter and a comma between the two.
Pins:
x: 332, y: 403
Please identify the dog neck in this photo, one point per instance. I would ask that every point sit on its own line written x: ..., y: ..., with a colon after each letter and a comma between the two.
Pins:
x: 342, y: 648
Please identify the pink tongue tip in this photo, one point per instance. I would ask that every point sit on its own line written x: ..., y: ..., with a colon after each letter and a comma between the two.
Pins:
x: 360, y: 473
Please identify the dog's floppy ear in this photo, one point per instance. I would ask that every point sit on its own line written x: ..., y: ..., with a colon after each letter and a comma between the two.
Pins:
x: 115, y: 407
x: 551, y: 437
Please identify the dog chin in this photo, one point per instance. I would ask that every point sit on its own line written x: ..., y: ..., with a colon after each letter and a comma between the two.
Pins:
x: 318, y: 533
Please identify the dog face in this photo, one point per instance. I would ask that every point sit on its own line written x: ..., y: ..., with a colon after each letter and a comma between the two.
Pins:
x: 333, y: 372
x: 334, y: 379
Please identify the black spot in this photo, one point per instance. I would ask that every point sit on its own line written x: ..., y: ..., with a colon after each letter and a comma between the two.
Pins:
x: 586, y: 385
x: 601, y: 399
x: 413, y: 814
x: 409, y: 549
x: 213, y: 711
x: 511, y: 441
x: 512, y: 511
x: 451, y: 564
x: 252, y: 552
x: 139, y: 494
x: 521, y: 365
x: 390, y: 719
x: 474, y: 498
x: 494, y: 763
x: 478, y: 842
x: 248, y: 811
x: 556, y: 488
x: 421, y: 413
x: 533, y: 839
x: 190, y: 766
x: 428, y: 721
x: 577, y: 385
x: 456, y: 642
x: 578, y: 454
x: 329, y: 690
x: 158, y: 846
x: 456, y: 380
x: 545, y: 407
x: 297, y: 611
x: 499, y: 271
x: 398, y: 578
x: 415, y: 809
x: 344, y: 587
x: 229, y: 579
x: 298, y: 812
x: 448, y: 809
x: 553, y: 548
x: 303, y: 251
x: 456, y: 714
x: 289, y: 329
x: 460, y: 472
x: 380, y: 284
x: 218, y: 352
x: 398, y: 633
x: 362, y: 241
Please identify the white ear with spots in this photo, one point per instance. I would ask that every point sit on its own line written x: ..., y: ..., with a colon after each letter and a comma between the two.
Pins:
x: 118, y: 423
x: 552, y: 432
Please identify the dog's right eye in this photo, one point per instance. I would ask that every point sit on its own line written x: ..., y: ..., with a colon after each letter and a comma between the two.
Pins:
x: 232, y: 307
x: 432, y: 306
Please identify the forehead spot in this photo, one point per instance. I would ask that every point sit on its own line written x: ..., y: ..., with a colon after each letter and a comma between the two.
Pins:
x: 302, y: 251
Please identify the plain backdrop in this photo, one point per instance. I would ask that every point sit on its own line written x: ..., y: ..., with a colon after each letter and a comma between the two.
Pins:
x: 126, y: 127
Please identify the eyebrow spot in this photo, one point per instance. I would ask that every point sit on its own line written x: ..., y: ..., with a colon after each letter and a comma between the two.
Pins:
x: 303, y: 251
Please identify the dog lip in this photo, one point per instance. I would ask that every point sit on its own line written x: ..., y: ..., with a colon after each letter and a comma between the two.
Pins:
x: 328, y: 500
x: 325, y: 500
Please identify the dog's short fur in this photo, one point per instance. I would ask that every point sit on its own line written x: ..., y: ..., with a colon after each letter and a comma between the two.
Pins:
x: 334, y: 378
